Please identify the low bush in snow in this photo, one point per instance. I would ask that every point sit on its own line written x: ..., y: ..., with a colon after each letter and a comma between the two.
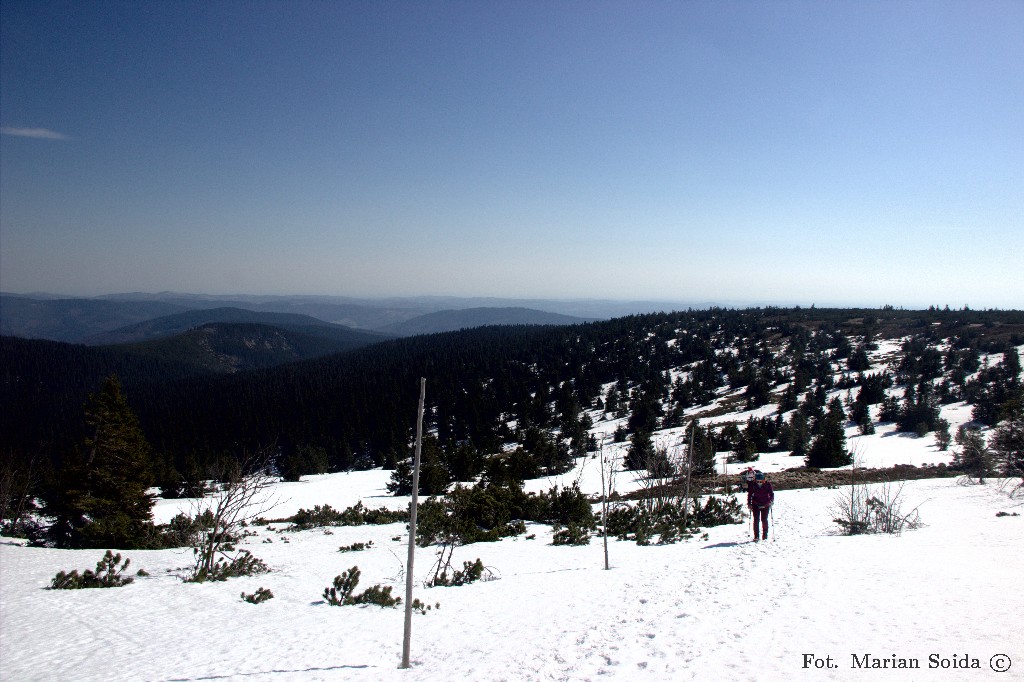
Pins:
x: 862, y: 509
x: 109, y: 573
x: 422, y: 608
x: 716, y: 511
x: 356, y: 515
x: 470, y: 573
x: 487, y: 513
x: 259, y: 596
x: 342, y: 593
x: 570, y: 535
x: 224, y: 567
x: 187, y: 531
x: 671, y: 519
x: 469, y: 514
x: 446, y: 576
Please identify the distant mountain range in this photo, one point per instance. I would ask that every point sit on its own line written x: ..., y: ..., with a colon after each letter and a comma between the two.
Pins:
x: 220, y: 347
x: 73, y: 319
x: 129, y: 318
x: 454, y: 320
x: 176, y: 323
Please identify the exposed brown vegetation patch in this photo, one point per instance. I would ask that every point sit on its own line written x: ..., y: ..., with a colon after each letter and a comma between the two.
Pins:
x: 803, y: 477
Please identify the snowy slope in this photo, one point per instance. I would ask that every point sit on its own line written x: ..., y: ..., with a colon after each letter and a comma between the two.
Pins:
x: 718, y: 608
x: 710, y: 608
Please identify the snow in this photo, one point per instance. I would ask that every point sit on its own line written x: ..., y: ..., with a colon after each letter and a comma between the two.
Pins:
x: 704, y: 609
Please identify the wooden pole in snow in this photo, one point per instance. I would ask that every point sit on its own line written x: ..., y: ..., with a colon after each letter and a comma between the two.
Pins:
x: 604, y: 506
x: 689, y: 468
x: 407, y: 642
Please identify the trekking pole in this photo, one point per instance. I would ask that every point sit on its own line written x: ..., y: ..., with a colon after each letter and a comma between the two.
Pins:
x: 771, y: 512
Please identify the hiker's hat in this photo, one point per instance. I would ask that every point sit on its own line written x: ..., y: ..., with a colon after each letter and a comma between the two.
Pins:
x: 759, y: 476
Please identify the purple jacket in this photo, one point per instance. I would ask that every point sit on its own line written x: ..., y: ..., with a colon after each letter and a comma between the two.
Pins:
x: 760, y: 495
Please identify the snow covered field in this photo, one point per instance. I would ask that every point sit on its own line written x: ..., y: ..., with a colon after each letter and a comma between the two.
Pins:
x: 718, y: 608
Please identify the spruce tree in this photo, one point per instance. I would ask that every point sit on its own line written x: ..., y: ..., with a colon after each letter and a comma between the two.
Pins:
x: 641, y: 451
x: 101, y: 498
x: 974, y: 458
x: 796, y: 434
x: 703, y: 463
x: 1008, y: 442
x: 829, y: 446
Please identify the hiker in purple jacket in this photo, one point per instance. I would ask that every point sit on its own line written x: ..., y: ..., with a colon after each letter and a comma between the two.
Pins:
x: 760, y: 497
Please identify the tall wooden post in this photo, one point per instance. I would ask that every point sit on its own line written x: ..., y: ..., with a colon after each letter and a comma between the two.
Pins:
x: 689, y: 469
x: 407, y: 641
x: 604, y: 505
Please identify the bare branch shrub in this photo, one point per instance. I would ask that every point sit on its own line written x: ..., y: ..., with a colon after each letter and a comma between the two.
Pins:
x: 17, y: 480
x: 242, y: 495
x: 446, y: 575
x: 873, y: 508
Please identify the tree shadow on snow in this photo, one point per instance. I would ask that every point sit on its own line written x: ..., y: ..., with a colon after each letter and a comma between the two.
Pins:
x: 718, y: 545
x: 264, y: 672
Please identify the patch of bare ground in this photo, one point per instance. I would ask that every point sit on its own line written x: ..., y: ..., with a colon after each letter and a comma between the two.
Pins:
x: 804, y: 477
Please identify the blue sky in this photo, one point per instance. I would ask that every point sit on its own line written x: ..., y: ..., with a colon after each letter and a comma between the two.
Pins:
x: 832, y: 153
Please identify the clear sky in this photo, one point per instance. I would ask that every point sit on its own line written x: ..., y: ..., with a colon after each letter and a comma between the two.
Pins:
x: 833, y: 153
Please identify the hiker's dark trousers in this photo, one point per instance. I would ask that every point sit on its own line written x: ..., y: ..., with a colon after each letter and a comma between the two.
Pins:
x: 761, y: 519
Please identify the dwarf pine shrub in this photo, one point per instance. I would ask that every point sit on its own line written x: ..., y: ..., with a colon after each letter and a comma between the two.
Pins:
x: 108, y: 573
x: 357, y: 515
x: 571, y: 535
x: 716, y: 511
x: 671, y: 521
x: 492, y: 511
x: 470, y: 573
x: 342, y: 593
x: 381, y: 596
x: 243, y: 563
x: 568, y: 506
x: 422, y: 608
x: 259, y: 596
x: 356, y: 546
x: 185, y: 531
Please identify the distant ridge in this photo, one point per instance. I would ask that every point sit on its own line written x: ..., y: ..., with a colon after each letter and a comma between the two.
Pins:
x: 222, y: 347
x: 170, y: 325
x: 78, y: 319
x: 468, y: 318
x: 72, y: 319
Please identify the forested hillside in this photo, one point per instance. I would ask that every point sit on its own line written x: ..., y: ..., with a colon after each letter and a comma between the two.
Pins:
x: 229, y: 348
x: 492, y: 388
x: 169, y: 325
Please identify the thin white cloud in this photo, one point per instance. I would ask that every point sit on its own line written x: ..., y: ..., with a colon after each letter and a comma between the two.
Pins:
x: 36, y: 133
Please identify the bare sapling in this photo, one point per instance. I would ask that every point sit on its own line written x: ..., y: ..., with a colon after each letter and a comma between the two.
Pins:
x: 873, y: 508
x: 241, y: 495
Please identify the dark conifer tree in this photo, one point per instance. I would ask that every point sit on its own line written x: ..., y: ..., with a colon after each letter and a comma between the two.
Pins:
x: 464, y: 462
x: 858, y: 360
x: 829, y: 446
x: 434, y: 477
x: 974, y: 458
x: 1008, y: 441
x: 100, y: 499
x: 703, y: 463
x: 641, y: 451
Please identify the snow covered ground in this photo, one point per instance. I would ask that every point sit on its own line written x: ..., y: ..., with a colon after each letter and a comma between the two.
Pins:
x: 718, y: 608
